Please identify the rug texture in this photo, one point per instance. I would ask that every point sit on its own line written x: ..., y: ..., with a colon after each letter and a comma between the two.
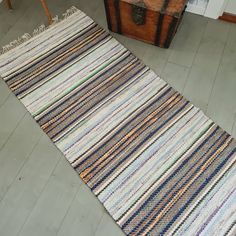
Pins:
x: 155, y: 161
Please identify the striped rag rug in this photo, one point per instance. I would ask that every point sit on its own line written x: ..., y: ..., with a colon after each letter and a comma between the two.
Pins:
x: 156, y: 162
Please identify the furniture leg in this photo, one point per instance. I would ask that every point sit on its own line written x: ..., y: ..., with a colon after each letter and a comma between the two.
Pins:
x: 8, y: 2
x: 48, y: 14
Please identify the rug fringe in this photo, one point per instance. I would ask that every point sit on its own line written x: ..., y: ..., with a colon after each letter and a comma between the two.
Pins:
x: 25, y: 37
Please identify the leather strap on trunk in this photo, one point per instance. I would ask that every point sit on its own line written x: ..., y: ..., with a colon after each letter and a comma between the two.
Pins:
x: 118, y: 19
x: 160, y: 20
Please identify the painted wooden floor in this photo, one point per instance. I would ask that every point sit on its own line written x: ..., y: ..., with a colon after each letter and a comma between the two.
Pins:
x: 40, y: 194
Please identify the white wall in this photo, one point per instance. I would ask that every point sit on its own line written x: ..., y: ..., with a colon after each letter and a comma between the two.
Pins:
x: 215, y: 8
x: 231, y: 7
x: 197, y: 6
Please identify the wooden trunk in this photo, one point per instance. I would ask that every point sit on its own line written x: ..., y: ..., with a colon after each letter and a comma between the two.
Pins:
x: 152, y: 21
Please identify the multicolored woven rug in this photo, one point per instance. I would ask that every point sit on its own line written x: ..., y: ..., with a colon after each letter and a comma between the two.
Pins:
x: 156, y: 162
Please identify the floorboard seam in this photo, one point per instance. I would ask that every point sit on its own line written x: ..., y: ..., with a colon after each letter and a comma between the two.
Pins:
x: 190, y: 68
x: 100, y: 221
x: 218, y: 68
x: 22, y: 166
x: 4, y: 101
x: 67, y: 211
x: 11, y: 133
x: 44, y: 187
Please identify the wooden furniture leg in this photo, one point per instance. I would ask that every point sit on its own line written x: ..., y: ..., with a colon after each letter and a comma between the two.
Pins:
x: 45, y: 7
x: 48, y: 14
x: 8, y: 2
